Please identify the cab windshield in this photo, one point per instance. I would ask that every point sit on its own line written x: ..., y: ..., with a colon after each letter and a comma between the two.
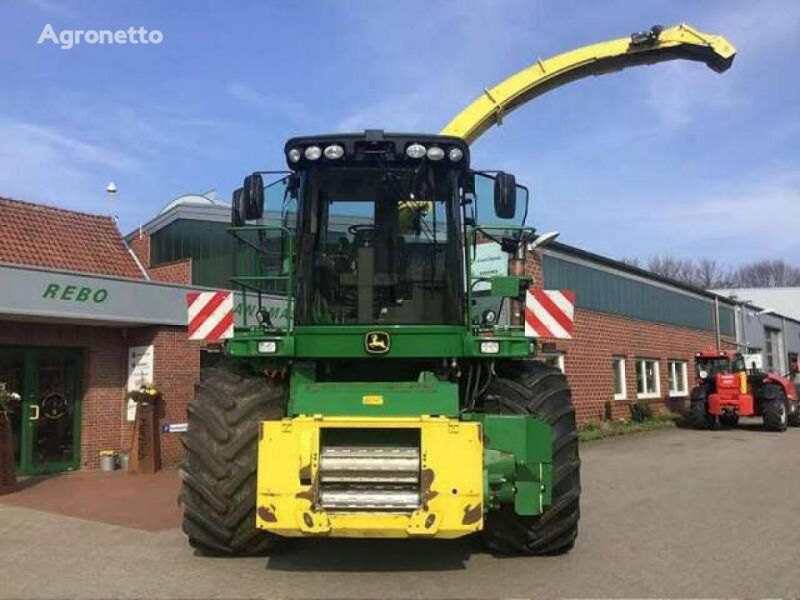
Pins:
x: 712, y: 366
x: 379, y: 246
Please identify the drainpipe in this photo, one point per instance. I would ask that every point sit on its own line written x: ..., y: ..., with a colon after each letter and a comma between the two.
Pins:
x: 136, y: 260
x: 784, y: 347
x: 716, y: 322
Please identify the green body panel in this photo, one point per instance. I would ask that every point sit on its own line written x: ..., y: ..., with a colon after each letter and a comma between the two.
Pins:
x: 518, y: 460
x: 414, y: 341
x: 406, y: 341
x: 509, y: 285
x: 428, y: 396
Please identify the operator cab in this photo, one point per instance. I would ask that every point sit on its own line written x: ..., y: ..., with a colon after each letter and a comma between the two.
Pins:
x: 710, y: 363
x: 378, y: 224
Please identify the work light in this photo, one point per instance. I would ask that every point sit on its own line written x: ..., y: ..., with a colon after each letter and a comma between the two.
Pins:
x: 416, y: 151
x: 435, y: 153
x: 490, y: 347
x: 268, y: 347
x: 313, y: 152
x: 294, y: 155
x: 455, y: 154
x: 334, y: 151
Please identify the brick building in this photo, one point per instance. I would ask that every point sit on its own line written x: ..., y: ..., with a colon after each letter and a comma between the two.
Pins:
x: 76, y: 307
x: 84, y: 312
x: 635, y: 334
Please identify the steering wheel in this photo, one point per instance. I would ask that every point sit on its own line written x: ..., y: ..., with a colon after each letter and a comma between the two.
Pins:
x: 359, y: 227
x: 366, y: 232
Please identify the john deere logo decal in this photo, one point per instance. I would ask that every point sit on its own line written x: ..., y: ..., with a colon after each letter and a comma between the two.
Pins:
x: 377, y: 342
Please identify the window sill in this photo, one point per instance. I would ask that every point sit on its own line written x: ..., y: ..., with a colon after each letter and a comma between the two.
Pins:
x: 679, y: 394
x: 648, y: 396
x: 620, y: 396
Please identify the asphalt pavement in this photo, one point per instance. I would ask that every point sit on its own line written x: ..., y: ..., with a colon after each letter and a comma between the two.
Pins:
x: 674, y: 513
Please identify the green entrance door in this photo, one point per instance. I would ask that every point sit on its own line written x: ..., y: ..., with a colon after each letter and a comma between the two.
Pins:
x: 46, y: 424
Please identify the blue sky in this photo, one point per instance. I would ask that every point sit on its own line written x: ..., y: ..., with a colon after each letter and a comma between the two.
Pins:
x: 665, y: 159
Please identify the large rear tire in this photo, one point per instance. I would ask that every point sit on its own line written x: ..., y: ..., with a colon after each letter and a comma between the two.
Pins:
x: 774, y: 409
x: 699, y: 415
x: 794, y: 414
x: 533, y: 388
x: 219, y: 471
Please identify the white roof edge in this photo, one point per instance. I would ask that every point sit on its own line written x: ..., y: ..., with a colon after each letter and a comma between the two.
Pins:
x: 194, y: 212
x: 151, y: 282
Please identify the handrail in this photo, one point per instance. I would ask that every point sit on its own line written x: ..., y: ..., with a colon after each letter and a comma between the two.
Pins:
x: 681, y: 42
x: 243, y: 281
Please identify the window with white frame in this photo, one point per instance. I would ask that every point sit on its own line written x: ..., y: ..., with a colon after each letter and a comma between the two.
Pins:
x: 678, y: 379
x: 554, y: 359
x: 647, y: 379
x: 620, y: 387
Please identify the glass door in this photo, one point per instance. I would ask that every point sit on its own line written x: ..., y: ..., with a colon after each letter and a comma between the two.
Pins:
x: 46, y: 424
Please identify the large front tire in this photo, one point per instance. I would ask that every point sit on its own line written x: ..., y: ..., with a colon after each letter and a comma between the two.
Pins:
x: 219, y: 471
x: 774, y: 409
x: 533, y: 388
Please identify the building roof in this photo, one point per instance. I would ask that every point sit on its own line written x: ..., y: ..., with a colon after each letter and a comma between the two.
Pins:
x: 45, y: 236
x: 784, y: 301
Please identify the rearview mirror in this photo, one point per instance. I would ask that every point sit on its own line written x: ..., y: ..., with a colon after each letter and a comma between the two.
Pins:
x: 238, y: 212
x: 248, y: 200
x: 505, y: 195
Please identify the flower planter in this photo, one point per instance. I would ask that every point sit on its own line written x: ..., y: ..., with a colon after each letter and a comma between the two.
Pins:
x: 108, y: 462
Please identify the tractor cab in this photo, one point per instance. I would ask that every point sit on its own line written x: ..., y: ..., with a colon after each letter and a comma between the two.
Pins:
x: 379, y: 230
x: 710, y: 363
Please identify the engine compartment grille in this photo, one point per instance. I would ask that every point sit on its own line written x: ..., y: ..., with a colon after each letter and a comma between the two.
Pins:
x: 359, y: 476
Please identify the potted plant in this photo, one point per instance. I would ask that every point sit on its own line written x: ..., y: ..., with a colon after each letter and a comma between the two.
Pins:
x: 8, y: 477
x: 146, y: 394
x: 108, y: 460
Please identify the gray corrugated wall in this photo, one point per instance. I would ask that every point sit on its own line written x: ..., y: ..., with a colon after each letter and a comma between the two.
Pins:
x: 605, y: 292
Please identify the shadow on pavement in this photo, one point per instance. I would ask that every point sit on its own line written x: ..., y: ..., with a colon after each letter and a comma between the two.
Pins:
x: 351, y: 555
x: 148, y: 502
x: 26, y: 482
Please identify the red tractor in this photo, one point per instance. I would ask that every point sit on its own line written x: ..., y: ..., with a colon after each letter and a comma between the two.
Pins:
x: 726, y: 390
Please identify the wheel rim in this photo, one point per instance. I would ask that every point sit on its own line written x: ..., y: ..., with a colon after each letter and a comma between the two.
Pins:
x: 783, y: 414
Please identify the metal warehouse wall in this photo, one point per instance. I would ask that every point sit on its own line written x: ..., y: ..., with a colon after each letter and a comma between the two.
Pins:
x: 753, y: 331
x: 601, y: 290
x: 207, y: 243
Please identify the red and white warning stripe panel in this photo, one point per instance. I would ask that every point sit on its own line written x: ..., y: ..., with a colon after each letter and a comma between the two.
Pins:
x: 210, y: 315
x: 550, y: 314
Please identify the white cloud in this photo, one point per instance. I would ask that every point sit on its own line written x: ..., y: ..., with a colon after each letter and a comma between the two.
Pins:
x: 70, y: 146
x: 281, y: 106
x: 94, y: 143
x: 53, y: 7
x: 736, y: 220
x: 41, y: 164
x: 679, y: 92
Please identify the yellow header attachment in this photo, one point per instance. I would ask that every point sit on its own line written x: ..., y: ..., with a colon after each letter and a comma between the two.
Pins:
x: 657, y: 45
